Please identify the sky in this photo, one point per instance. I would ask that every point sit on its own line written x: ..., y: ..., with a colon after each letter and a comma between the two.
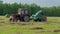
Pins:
x: 41, y: 3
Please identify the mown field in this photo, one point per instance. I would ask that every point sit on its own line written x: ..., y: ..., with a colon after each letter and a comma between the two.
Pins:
x: 52, y: 26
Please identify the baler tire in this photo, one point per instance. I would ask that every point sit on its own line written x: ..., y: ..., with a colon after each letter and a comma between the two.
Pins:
x: 44, y: 19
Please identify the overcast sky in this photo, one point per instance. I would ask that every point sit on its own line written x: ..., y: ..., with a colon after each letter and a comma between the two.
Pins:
x: 42, y: 3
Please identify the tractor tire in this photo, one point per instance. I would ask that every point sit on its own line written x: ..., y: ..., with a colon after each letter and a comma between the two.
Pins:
x: 26, y: 18
x: 44, y: 19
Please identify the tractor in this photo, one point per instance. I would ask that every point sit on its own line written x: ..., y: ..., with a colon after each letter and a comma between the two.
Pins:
x: 22, y: 15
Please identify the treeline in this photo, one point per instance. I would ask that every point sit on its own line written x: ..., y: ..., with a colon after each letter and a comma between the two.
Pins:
x: 32, y: 8
x: 13, y: 8
x: 52, y: 11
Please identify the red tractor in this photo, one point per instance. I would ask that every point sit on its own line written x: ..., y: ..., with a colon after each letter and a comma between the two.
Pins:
x: 22, y: 15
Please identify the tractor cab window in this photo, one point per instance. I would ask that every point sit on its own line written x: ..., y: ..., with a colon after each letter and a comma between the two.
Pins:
x: 22, y: 12
x: 26, y: 12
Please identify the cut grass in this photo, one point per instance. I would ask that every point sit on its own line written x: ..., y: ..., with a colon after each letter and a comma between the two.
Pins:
x: 53, y: 23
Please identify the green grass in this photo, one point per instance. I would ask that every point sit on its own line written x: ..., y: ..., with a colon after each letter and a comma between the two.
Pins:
x: 53, y: 23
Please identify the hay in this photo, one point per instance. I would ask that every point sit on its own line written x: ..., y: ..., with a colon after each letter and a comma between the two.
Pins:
x: 37, y: 28
x: 56, y: 31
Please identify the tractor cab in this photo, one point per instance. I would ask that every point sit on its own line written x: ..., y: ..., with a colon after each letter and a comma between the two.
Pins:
x: 23, y: 11
x: 22, y: 15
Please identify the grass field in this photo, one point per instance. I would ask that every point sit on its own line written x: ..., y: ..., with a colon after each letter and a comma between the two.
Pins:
x: 52, y: 26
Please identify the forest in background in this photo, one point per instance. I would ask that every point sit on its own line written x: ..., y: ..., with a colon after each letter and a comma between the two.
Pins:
x: 32, y: 8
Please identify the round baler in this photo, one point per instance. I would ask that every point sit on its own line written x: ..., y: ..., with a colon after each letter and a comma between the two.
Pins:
x: 39, y: 16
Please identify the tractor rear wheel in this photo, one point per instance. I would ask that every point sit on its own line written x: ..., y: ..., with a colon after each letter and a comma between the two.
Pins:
x: 26, y: 18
